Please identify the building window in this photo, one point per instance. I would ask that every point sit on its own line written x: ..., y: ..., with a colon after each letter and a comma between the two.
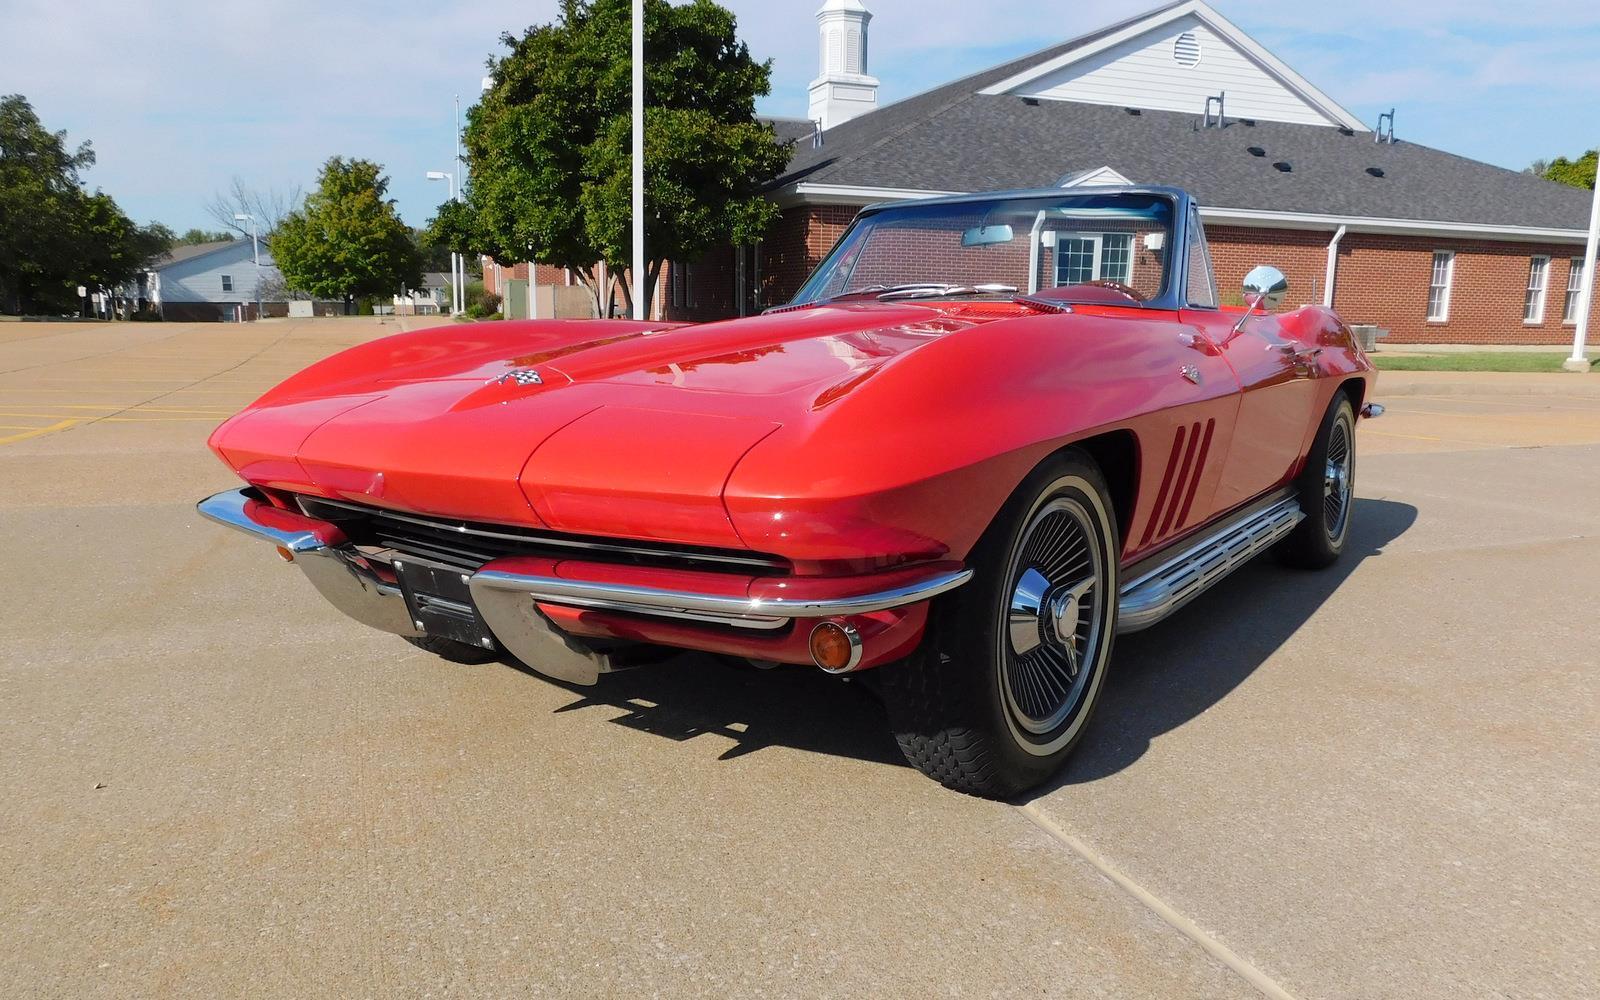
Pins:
x: 1444, y: 267
x: 227, y: 282
x: 1082, y: 257
x: 1569, y: 311
x: 1538, y: 279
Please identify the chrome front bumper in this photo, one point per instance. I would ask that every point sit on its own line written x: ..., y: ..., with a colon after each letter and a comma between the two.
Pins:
x: 507, y: 600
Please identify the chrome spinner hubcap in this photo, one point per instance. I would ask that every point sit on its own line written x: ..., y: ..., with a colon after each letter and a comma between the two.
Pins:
x: 1336, y: 479
x: 1053, y: 619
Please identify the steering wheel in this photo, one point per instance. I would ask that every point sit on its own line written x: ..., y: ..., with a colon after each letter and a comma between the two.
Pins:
x: 1114, y: 286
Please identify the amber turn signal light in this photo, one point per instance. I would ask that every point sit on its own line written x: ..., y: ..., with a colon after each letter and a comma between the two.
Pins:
x: 285, y: 554
x: 835, y: 647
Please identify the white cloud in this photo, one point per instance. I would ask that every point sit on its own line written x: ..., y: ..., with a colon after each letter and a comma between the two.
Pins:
x: 180, y: 95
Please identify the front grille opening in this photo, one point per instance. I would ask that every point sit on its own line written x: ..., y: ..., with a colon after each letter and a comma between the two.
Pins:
x: 467, y: 545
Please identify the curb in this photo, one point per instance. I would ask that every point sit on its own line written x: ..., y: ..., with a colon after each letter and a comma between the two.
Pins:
x: 1391, y: 384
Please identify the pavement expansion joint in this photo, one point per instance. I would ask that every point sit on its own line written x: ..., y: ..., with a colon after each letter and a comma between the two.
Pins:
x: 1263, y: 983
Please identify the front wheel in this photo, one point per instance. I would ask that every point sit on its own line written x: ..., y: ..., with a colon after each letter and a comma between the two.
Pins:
x: 1002, y: 686
x: 1326, y: 488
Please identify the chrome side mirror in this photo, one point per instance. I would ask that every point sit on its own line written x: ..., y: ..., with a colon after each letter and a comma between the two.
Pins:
x: 1264, y: 287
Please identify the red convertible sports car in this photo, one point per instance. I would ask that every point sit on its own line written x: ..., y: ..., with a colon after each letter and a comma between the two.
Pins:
x: 990, y: 433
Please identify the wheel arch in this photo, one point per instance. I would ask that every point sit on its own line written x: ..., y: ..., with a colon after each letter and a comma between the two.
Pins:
x: 1356, y: 389
x: 1117, y: 454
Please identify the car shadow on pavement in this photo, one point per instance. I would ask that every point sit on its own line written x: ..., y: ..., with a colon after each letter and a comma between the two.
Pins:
x: 692, y: 695
x: 1169, y: 674
x: 1159, y: 679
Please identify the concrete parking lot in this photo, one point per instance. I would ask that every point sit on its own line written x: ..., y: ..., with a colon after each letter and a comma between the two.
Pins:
x: 1375, y: 781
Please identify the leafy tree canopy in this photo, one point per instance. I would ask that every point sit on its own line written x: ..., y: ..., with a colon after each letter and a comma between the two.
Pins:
x: 191, y: 237
x: 347, y: 241
x: 55, y: 235
x: 549, y: 146
x: 1578, y: 173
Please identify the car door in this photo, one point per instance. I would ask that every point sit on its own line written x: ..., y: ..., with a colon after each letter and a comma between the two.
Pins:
x: 1275, y: 377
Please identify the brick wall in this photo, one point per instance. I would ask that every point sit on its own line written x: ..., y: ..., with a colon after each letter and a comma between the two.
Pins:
x: 1383, y: 280
x: 797, y: 243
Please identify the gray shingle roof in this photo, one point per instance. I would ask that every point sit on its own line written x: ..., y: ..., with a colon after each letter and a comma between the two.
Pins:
x: 790, y: 129
x: 954, y: 139
x: 189, y: 251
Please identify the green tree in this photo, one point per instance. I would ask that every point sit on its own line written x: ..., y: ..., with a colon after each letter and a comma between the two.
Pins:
x: 1577, y: 173
x: 54, y: 235
x: 191, y: 237
x: 347, y: 241
x: 549, y: 146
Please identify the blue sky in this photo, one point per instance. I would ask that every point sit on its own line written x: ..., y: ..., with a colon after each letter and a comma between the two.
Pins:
x: 180, y: 96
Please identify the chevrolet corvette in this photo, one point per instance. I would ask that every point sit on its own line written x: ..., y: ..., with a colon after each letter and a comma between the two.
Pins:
x: 987, y: 435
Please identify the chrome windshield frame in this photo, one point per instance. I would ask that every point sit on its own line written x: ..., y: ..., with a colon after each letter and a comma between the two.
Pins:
x: 1173, y: 296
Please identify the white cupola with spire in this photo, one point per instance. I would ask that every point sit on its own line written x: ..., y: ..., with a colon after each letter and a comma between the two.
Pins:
x: 842, y: 89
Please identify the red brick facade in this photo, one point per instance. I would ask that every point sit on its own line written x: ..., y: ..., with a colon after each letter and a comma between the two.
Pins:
x: 1383, y: 280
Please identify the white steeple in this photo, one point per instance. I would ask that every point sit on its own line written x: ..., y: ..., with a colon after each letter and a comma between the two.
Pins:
x: 842, y: 89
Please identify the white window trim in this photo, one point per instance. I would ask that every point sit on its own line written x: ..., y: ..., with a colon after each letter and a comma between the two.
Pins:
x: 1544, y: 291
x: 1574, y: 295
x: 1098, y: 264
x: 227, y: 282
x: 1449, y: 284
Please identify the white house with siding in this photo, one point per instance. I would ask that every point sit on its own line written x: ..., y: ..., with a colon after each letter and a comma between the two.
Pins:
x: 213, y: 282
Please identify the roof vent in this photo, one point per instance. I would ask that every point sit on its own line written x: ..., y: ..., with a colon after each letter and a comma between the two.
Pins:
x: 1135, y: 112
x: 1375, y: 171
x: 1283, y: 166
x: 1186, y: 49
x: 1256, y: 151
x: 1380, y: 134
x: 1032, y: 102
x: 1346, y: 130
x: 1247, y: 122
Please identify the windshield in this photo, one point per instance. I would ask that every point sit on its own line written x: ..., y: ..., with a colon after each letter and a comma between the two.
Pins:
x: 1112, y: 248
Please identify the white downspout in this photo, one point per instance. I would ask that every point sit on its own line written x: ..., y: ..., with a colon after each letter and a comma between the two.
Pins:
x: 1033, y: 254
x: 1333, y: 267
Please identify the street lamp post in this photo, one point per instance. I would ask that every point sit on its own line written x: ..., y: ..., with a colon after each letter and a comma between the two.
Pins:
x: 255, y: 248
x: 638, y: 159
x: 457, y: 265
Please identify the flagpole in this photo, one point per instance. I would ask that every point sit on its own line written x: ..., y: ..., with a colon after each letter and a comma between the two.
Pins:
x: 1579, y: 362
x: 638, y: 277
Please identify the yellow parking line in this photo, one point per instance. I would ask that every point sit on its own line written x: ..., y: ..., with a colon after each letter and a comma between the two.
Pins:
x: 17, y: 427
x: 155, y: 420
x: 63, y: 425
x: 135, y: 406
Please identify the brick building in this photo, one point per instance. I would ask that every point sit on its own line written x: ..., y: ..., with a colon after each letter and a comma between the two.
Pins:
x: 1435, y: 247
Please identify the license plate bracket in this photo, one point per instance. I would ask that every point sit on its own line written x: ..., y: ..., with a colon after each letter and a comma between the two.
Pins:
x: 440, y: 602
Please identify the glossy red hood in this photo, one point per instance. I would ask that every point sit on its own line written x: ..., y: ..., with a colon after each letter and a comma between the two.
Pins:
x: 610, y: 427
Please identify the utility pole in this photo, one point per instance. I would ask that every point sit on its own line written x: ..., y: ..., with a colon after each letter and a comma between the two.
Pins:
x: 638, y: 160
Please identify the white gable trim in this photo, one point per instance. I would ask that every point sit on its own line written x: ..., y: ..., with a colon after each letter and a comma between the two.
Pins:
x: 1091, y: 178
x: 1274, y: 66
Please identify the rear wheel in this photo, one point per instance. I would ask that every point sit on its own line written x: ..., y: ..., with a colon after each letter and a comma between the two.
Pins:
x: 450, y: 649
x: 1326, y: 487
x: 1002, y: 687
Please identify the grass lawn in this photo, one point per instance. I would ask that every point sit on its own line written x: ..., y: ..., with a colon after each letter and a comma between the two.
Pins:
x: 1473, y: 361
